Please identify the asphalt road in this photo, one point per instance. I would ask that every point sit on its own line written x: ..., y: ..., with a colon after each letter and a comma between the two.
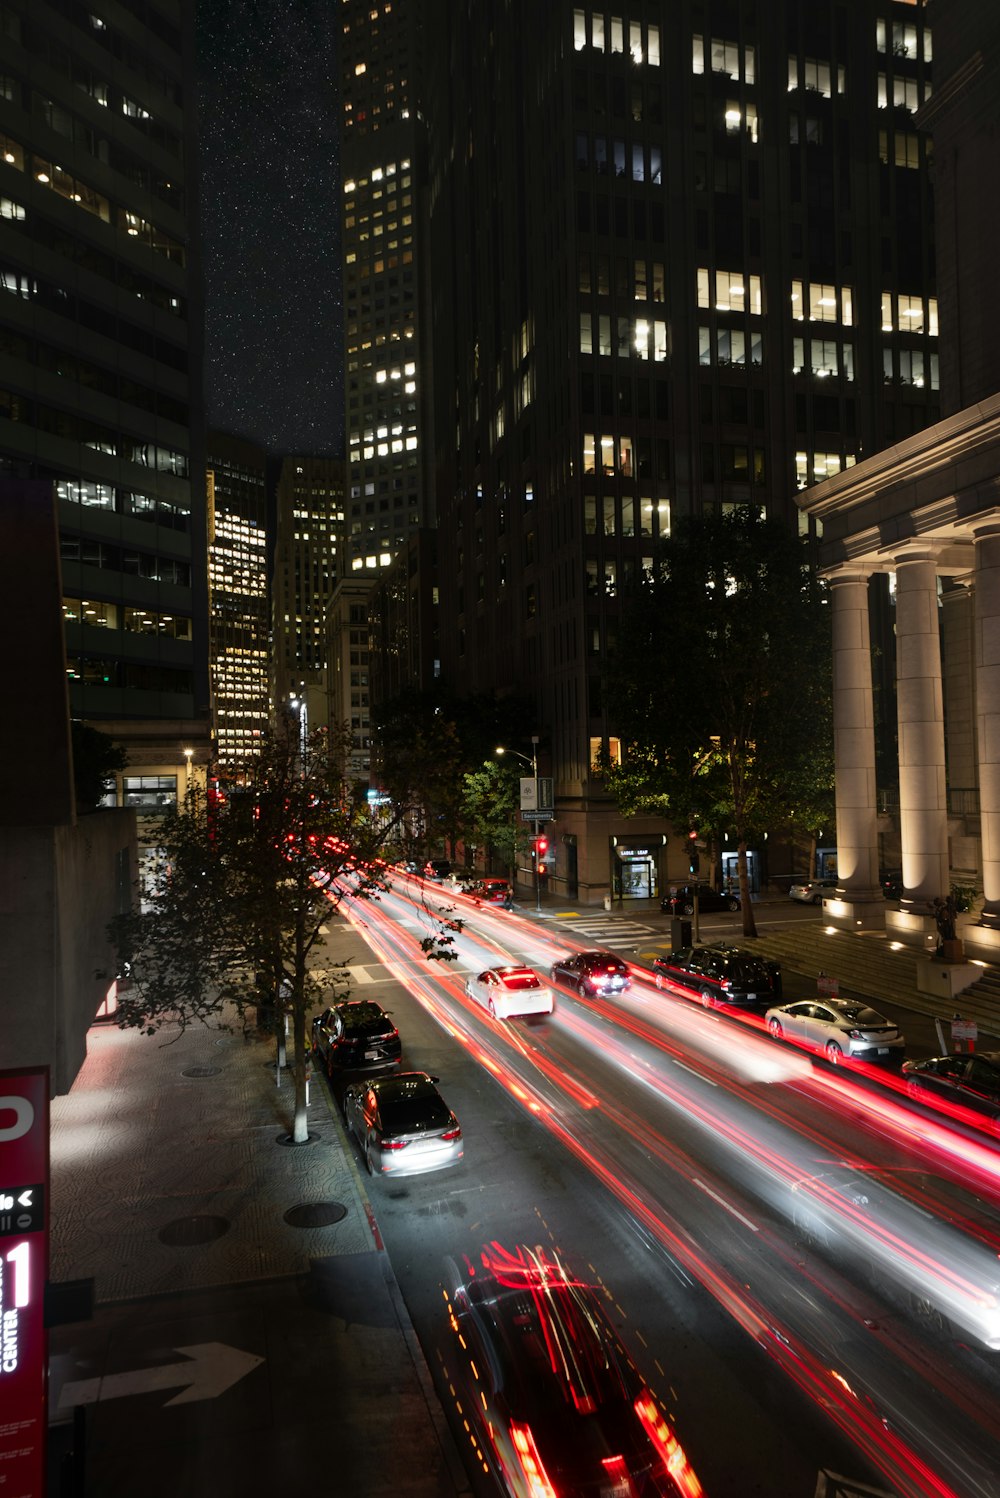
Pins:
x: 655, y: 1146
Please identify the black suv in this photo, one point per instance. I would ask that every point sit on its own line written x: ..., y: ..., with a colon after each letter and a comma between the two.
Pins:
x: 356, y: 1035
x: 720, y: 975
x: 592, y: 972
x: 680, y: 901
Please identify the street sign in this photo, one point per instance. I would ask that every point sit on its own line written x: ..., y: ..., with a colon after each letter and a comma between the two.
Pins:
x: 828, y: 986
x: 536, y: 793
x: 24, y: 1269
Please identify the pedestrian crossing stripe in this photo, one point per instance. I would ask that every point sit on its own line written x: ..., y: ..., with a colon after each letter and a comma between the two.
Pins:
x: 619, y: 929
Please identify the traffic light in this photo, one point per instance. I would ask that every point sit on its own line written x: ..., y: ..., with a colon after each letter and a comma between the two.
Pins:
x: 692, y: 842
x: 540, y: 850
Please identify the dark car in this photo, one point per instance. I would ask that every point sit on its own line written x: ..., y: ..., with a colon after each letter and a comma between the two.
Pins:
x: 720, y: 974
x: 557, y: 1405
x: 437, y: 869
x: 970, y: 1081
x: 403, y: 1124
x: 356, y: 1035
x: 592, y: 972
x: 680, y: 900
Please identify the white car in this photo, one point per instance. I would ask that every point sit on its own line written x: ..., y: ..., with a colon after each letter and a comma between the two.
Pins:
x: 811, y: 891
x: 839, y: 1028
x: 509, y: 991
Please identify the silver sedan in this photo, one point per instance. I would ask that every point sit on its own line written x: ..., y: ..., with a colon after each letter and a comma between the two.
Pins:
x: 403, y: 1124
x: 837, y: 1027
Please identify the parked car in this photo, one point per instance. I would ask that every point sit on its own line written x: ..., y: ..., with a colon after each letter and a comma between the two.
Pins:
x: 592, y: 972
x: 354, y: 1035
x: 719, y: 974
x: 490, y: 891
x: 811, y: 891
x: 680, y: 900
x: 403, y: 1124
x: 557, y: 1405
x: 838, y: 1028
x: 892, y: 884
x: 972, y: 1081
x: 921, y: 1239
x: 437, y: 869
x: 509, y: 991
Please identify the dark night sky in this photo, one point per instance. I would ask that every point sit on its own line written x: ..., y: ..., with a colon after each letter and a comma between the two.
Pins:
x: 270, y: 200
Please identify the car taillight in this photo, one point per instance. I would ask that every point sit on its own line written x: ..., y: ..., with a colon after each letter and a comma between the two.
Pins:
x: 537, y: 1478
x: 667, y: 1444
x: 454, y: 1133
x: 619, y: 1475
x: 393, y: 1144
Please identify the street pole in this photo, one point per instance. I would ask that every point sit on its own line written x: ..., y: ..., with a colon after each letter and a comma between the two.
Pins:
x: 534, y: 771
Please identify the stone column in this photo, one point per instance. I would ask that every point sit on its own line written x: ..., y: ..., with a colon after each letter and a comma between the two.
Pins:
x: 923, y: 798
x: 854, y: 739
x: 987, y: 600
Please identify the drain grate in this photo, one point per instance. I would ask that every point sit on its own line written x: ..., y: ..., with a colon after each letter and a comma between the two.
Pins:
x: 189, y: 1232
x: 202, y: 1071
x: 315, y: 1214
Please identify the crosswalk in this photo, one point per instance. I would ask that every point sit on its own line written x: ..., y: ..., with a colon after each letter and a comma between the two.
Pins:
x: 606, y: 931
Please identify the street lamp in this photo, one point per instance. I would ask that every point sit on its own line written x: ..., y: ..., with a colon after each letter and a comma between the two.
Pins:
x: 533, y: 762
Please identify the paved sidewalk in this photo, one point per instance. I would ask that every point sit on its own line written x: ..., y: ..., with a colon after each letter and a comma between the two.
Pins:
x: 172, y: 1189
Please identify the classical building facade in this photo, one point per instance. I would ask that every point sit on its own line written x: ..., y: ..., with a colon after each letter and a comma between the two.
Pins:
x: 925, y: 514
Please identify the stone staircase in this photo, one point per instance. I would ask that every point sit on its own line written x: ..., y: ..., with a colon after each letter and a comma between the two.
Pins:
x: 866, y: 964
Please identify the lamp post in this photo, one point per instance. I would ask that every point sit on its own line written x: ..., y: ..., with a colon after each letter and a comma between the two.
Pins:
x: 533, y: 762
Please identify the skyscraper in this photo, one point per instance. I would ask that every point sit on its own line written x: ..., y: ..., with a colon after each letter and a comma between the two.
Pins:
x: 388, y: 489
x: 101, y: 331
x: 682, y: 262
x: 307, y: 564
x: 239, y: 615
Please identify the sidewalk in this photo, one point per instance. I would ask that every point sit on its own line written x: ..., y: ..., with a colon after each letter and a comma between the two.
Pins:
x: 212, y: 1241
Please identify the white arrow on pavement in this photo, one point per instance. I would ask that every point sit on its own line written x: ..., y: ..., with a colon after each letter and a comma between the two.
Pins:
x: 214, y: 1369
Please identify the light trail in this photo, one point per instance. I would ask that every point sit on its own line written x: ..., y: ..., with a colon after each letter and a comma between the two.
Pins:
x: 829, y: 1387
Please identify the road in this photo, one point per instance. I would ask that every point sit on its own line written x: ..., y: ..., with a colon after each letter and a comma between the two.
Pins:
x: 657, y: 1147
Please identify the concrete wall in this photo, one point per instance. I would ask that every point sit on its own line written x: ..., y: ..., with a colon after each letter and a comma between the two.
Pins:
x: 59, y: 888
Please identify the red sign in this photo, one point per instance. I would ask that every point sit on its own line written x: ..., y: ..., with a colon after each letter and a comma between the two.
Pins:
x: 24, y: 1271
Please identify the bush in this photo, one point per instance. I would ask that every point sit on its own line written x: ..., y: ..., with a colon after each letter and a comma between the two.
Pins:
x: 964, y: 896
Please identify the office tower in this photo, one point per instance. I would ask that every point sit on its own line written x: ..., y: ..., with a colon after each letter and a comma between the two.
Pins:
x: 307, y: 564
x: 101, y: 333
x: 682, y: 263
x: 348, y: 704
x: 388, y: 490
x: 239, y: 622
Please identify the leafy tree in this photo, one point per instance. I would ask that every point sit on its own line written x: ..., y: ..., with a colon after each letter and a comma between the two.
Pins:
x: 426, y: 742
x: 243, y: 888
x: 96, y: 757
x: 720, y: 684
x: 490, y: 807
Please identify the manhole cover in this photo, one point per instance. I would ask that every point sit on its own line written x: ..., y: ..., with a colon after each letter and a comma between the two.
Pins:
x: 202, y: 1071
x: 189, y: 1232
x: 315, y: 1214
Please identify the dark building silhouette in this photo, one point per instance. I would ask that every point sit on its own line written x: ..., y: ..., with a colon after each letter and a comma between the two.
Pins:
x: 682, y: 261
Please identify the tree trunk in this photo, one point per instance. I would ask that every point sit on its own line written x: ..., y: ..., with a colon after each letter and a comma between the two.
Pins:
x: 300, y: 1125
x: 749, y: 924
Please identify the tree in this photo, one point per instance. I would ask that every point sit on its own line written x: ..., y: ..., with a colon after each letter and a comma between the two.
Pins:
x: 490, y: 807
x: 243, y: 888
x: 96, y: 757
x: 720, y: 683
x: 426, y: 743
